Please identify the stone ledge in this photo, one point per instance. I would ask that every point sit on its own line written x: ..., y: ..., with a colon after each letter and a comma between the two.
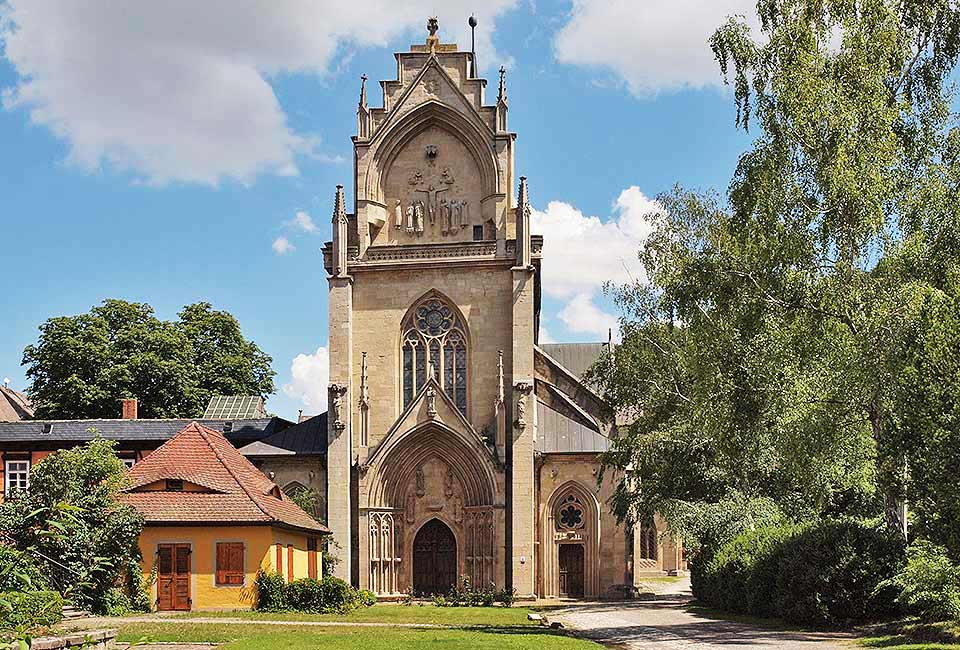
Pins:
x: 89, y: 640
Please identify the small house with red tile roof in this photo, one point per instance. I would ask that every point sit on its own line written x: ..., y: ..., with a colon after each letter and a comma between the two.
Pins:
x: 212, y: 521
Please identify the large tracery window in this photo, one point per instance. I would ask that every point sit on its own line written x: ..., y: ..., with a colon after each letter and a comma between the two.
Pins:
x: 434, y: 340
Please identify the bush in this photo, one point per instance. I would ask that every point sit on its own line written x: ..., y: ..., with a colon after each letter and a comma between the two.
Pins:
x: 366, y: 598
x: 825, y: 573
x: 18, y: 572
x: 930, y: 583
x: 271, y: 591
x: 741, y: 576
x: 31, y: 610
x: 116, y: 602
x: 327, y: 596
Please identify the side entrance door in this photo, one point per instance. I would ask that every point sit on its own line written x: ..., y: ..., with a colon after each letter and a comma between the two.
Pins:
x: 571, y: 570
x: 173, y: 579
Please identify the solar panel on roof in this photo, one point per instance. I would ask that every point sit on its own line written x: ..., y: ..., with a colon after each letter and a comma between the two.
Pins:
x: 235, y: 407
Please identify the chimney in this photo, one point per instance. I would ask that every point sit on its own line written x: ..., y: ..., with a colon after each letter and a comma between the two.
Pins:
x: 129, y: 409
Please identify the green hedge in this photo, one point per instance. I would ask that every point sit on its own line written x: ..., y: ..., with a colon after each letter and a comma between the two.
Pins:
x: 30, y: 610
x: 326, y: 596
x: 830, y: 572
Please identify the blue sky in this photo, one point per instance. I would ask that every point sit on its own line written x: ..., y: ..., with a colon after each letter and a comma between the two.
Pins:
x: 157, y: 152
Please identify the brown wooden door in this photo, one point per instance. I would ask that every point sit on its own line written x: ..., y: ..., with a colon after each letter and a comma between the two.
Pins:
x: 173, y: 579
x: 434, y: 559
x: 571, y: 570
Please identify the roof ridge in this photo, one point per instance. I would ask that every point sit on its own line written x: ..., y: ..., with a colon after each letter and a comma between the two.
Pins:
x: 202, y: 431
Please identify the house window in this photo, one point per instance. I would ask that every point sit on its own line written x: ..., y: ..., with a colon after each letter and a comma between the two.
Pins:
x: 128, y: 462
x: 174, y: 485
x: 434, y: 342
x: 230, y: 563
x: 648, y: 541
x: 17, y: 476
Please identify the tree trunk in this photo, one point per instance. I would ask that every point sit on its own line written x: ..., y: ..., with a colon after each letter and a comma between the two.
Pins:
x: 891, y: 475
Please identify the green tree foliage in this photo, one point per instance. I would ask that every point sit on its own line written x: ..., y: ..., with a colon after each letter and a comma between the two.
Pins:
x: 72, y: 526
x: 780, y: 336
x: 82, y: 365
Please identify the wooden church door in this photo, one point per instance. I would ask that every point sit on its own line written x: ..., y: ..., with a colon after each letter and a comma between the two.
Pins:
x: 434, y: 559
x: 571, y: 570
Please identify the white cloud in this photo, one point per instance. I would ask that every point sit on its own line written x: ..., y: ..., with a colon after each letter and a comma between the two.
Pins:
x: 580, y: 253
x: 545, y: 335
x: 309, y: 378
x: 580, y: 315
x: 282, y: 246
x: 180, y: 91
x: 651, y: 45
x: 302, y: 221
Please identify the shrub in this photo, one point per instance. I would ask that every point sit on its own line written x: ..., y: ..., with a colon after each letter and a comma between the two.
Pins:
x: 271, y: 591
x: 825, y: 573
x: 116, y: 602
x: 506, y: 597
x: 18, y: 572
x: 338, y: 596
x: 327, y: 596
x: 30, y: 610
x: 930, y: 583
x: 366, y: 598
x: 741, y: 576
x: 837, y: 571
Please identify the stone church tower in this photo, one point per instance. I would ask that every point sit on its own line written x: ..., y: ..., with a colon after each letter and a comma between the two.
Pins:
x: 436, y: 456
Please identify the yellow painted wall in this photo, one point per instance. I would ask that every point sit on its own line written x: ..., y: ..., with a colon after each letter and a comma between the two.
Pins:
x: 260, y: 550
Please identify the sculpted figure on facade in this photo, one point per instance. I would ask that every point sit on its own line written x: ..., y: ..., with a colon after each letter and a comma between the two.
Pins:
x: 336, y: 392
x: 398, y: 215
x: 418, y: 217
x: 410, y: 219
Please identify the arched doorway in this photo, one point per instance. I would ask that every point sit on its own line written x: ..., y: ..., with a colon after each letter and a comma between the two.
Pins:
x: 434, y: 559
x: 571, y: 570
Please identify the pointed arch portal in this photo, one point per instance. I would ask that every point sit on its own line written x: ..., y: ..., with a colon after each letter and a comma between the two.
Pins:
x: 434, y: 559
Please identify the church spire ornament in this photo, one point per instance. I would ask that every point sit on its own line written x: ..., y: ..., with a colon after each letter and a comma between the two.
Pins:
x: 363, y: 111
x: 339, y: 235
x: 523, y: 225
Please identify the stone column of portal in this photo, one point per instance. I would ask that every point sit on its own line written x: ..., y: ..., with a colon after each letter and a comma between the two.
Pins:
x: 340, y: 342
x: 524, y: 409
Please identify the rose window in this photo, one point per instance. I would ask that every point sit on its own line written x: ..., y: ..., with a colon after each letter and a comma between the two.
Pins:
x: 570, y: 513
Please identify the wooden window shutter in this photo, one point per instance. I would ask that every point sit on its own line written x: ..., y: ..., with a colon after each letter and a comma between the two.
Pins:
x: 289, y: 561
x: 230, y: 563
x: 312, y: 558
x: 280, y: 559
x: 223, y: 558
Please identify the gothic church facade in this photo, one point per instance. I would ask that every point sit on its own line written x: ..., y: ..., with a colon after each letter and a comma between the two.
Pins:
x: 456, y: 444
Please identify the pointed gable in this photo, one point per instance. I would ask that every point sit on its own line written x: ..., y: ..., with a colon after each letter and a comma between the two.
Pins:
x: 233, y: 491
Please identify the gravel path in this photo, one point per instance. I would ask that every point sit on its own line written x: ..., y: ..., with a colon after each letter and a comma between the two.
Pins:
x: 664, y: 623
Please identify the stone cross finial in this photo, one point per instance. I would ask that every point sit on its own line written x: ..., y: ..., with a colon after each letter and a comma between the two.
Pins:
x: 502, y: 93
x: 432, y: 25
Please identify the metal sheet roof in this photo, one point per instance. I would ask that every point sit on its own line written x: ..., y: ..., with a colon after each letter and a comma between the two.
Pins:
x: 308, y: 438
x: 558, y: 434
x: 575, y: 357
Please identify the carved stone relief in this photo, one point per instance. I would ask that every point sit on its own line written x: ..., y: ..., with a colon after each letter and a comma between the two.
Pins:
x: 433, y: 190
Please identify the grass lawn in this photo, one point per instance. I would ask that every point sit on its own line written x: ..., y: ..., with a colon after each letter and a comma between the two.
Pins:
x: 914, y: 636
x: 250, y: 637
x: 502, y: 616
